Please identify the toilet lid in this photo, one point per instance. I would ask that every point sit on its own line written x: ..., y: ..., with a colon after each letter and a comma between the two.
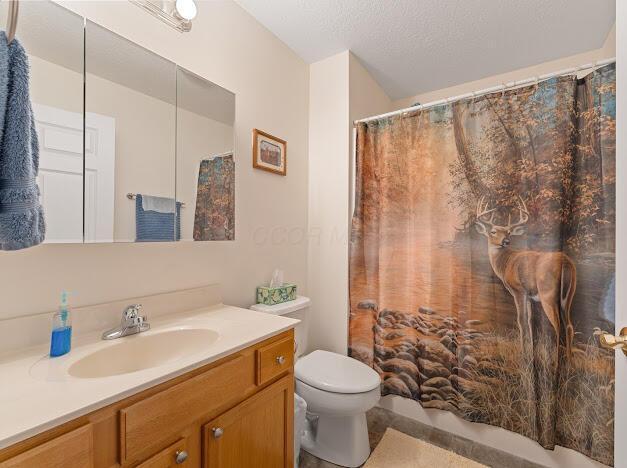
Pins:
x: 336, y: 373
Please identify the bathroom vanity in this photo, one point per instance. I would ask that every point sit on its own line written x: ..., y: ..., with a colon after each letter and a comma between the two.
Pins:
x: 229, y: 404
x: 235, y: 412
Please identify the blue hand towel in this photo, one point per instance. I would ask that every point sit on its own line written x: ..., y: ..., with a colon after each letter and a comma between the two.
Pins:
x: 21, y: 215
x: 156, y: 226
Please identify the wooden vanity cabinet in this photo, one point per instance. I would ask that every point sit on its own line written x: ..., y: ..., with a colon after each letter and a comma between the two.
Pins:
x: 74, y: 449
x: 234, y: 413
x: 175, y: 454
x: 254, y: 433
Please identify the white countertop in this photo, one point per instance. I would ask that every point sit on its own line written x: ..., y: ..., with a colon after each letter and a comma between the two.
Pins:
x: 37, y: 394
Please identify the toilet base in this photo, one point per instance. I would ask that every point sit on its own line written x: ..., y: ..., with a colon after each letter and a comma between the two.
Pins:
x: 342, y: 440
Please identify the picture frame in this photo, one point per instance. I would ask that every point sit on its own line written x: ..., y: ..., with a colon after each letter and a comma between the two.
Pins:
x: 269, y: 153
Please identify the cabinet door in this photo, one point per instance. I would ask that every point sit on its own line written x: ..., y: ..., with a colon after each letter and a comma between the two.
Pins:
x: 258, y: 433
x: 72, y: 450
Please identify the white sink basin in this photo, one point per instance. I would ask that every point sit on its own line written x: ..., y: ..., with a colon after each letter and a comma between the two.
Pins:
x: 138, y: 352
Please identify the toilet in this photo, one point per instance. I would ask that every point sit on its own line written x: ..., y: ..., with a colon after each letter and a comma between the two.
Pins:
x: 338, y: 391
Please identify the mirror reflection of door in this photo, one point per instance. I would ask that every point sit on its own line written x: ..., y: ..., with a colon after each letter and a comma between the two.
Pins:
x: 61, y: 174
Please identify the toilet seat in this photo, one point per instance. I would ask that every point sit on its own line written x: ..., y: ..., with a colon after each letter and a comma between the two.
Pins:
x: 332, y: 372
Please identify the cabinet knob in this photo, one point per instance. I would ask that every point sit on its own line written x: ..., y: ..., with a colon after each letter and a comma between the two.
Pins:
x: 180, y: 457
x: 217, y: 432
x: 280, y: 360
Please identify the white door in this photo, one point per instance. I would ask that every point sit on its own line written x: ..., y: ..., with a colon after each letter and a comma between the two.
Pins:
x: 61, y: 174
x: 620, y: 415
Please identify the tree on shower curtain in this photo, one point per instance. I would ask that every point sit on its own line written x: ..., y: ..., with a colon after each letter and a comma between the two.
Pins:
x: 482, y: 259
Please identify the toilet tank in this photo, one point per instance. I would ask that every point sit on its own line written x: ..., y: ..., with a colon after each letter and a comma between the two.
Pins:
x: 297, y: 309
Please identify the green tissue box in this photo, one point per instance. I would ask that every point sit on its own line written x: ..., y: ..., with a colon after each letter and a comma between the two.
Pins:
x: 271, y: 296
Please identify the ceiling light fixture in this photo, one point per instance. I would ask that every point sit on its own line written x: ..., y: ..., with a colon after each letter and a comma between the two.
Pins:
x: 175, y: 13
x: 186, y: 9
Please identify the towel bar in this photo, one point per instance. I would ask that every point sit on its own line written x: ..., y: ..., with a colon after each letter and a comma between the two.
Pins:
x: 132, y: 196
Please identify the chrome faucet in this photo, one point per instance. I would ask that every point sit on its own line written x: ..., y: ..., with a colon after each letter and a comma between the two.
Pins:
x: 131, y: 323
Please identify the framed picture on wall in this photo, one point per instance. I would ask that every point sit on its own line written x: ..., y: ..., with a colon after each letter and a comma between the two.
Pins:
x: 269, y: 152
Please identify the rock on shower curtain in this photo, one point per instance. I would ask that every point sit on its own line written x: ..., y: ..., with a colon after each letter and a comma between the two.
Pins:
x: 483, y: 233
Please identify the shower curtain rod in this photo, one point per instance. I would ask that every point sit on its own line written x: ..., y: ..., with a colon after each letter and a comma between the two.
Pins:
x: 493, y: 89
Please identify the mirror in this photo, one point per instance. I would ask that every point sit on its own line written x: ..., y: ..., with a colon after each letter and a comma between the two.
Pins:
x: 130, y: 141
x: 132, y: 147
x: 205, y: 168
x: 53, y: 39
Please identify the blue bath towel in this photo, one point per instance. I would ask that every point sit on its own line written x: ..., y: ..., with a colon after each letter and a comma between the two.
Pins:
x: 21, y: 215
x: 156, y: 226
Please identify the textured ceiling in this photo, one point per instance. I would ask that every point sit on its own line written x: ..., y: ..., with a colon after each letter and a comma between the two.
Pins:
x: 414, y: 46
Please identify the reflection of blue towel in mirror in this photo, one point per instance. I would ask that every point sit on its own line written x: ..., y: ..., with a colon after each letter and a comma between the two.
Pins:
x: 157, y: 219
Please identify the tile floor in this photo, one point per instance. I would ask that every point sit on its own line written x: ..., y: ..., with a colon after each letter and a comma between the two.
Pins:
x: 380, y: 419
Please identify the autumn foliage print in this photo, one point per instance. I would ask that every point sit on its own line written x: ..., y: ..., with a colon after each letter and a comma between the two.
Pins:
x: 483, y: 254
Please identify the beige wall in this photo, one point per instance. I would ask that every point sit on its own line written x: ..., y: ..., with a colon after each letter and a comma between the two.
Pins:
x: 341, y: 90
x: 226, y: 46
x: 328, y: 202
x: 366, y: 96
x: 607, y: 51
x: 55, y: 86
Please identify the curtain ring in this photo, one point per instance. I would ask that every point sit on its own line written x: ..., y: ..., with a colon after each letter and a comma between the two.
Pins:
x: 503, y: 90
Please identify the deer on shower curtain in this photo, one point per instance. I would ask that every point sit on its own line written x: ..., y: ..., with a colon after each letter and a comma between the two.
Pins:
x: 482, y: 258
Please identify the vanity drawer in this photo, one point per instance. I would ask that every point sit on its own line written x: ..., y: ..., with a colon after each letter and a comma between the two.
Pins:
x: 174, y: 455
x: 72, y: 450
x: 149, y: 424
x: 274, y: 359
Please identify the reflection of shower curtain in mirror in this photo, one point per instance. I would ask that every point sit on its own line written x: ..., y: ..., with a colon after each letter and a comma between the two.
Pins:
x: 482, y: 259
x: 215, y: 199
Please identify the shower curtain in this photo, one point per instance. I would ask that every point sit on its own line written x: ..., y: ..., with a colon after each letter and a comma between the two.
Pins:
x: 482, y: 259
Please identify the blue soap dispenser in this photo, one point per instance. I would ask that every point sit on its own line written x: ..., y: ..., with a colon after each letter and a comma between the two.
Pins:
x: 61, y: 340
